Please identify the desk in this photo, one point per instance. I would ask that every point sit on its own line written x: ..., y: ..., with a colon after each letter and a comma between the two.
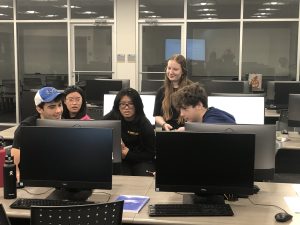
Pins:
x: 8, y: 134
x: 271, y: 116
x: 288, y: 155
x: 245, y: 212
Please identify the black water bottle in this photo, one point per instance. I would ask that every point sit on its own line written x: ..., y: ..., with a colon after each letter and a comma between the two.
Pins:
x: 9, y: 178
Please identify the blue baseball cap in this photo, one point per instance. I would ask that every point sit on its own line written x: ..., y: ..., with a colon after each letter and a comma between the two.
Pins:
x: 46, y: 94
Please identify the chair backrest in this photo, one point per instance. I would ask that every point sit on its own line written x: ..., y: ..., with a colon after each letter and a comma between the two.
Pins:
x: 99, y: 213
x: 3, y: 217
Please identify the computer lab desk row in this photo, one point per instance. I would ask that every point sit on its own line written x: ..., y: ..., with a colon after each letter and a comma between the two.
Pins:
x: 245, y: 212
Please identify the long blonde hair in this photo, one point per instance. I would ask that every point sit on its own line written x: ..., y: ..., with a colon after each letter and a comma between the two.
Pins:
x: 166, y: 103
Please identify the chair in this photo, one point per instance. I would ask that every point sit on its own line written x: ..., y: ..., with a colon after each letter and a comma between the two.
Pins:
x: 3, y: 217
x: 99, y: 213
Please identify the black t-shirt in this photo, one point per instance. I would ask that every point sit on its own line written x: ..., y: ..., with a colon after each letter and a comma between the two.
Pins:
x: 158, y: 109
x: 139, y: 138
x: 29, y: 121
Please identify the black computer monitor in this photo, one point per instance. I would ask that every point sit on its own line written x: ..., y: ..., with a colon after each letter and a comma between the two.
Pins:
x: 278, y: 93
x: 227, y: 86
x: 114, y: 124
x: 238, y: 94
x: 73, y: 160
x: 265, y: 142
x: 95, y: 89
x: 205, y: 163
x: 294, y: 110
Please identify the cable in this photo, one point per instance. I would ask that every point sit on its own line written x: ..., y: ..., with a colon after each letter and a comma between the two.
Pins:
x: 24, y: 189
x: 266, y: 205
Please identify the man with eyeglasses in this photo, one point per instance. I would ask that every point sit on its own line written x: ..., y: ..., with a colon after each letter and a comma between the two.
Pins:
x: 48, y: 102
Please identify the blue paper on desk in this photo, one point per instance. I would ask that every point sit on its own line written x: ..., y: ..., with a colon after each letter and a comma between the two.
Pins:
x: 133, y: 203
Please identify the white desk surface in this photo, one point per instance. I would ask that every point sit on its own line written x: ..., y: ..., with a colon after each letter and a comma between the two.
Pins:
x: 8, y: 134
x: 245, y: 213
x: 292, y: 142
x: 271, y: 113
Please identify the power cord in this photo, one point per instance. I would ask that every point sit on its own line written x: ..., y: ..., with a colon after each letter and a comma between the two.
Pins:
x: 266, y: 205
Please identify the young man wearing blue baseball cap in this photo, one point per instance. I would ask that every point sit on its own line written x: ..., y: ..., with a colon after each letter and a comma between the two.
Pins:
x: 48, y: 102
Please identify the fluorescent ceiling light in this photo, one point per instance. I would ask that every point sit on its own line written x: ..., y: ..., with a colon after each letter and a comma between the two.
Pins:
x: 146, y: 11
x: 205, y: 10
x: 6, y: 7
x: 102, y: 17
x: 142, y: 6
x: 273, y: 3
x: 267, y: 9
x: 153, y: 16
x: 88, y: 13
x: 202, y: 4
x: 1, y: 14
x: 51, y: 16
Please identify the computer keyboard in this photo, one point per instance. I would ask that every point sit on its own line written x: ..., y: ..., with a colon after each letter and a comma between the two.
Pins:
x: 26, y: 203
x: 190, y: 210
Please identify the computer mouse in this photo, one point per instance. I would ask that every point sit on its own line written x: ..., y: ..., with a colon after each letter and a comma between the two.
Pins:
x: 283, y: 217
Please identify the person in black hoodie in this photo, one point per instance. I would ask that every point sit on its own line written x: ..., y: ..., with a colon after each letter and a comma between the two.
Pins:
x: 138, y: 137
x: 191, y: 101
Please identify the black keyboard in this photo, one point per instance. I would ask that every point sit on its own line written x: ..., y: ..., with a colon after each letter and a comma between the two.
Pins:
x: 26, y: 203
x: 190, y: 210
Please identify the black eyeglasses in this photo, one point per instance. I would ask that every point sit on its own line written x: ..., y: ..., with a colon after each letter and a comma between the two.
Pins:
x: 123, y: 105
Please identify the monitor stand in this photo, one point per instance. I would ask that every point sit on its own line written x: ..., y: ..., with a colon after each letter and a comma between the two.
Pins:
x: 71, y: 194
x: 203, y: 198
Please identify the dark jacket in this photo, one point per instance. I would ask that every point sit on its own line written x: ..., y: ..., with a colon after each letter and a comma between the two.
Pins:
x: 214, y: 115
x: 138, y: 136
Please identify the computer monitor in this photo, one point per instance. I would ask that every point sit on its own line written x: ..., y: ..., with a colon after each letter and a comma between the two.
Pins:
x: 245, y: 109
x: 239, y: 94
x: 294, y: 110
x: 95, y: 89
x: 114, y: 124
x: 147, y: 99
x: 73, y: 160
x: 227, y: 86
x: 205, y: 163
x: 265, y: 142
x: 278, y: 93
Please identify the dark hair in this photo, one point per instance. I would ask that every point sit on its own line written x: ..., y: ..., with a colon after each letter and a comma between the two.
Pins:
x: 135, y: 98
x: 189, y: 95
x: 57, y: 99
x: 82, y: 111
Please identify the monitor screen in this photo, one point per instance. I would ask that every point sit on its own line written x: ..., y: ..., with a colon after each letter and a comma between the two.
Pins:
x: 66, y: 158
x: 278, y: 93
x: 114, y: 124
x: 195, y: 48
x: 265, y: 142
x: 294, y: 110
x: 147, y: 99
x: 214, y: 163
x: 95, y: 89
x: 227, y: 86
x: 282, y: 91
x: 246, y: 110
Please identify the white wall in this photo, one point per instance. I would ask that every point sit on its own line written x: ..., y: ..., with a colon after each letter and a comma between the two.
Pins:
x: 126, y: 39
